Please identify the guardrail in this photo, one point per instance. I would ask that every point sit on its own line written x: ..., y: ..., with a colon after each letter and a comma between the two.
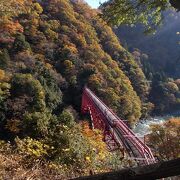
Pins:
x: 150, y: 172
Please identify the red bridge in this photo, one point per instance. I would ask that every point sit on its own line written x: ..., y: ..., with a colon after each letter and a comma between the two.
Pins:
x: 116, y: 133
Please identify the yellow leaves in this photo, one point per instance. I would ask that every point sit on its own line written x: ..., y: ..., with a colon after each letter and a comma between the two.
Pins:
x: 35, y: 21
x: 113, y: 64
x: 41, y: 94
x: 51, y: 34
x: 5, y: 147
x: 31, y: 147
x: 95, y: 139
x: 37, y: 7
x: 70, y: 48
x: 68, y: 64
x: 4, y: 89
x: 18, y: 2
x: 54, y: 166
x: 5, y: 86
x: 66, y: 150
x: 12, y: 7
x: 80, y: 39
x: 54, y: 25
x: 48, y: 66
x: 102, y: 155
x: 101, y: 66
x: 65, y: 127
x: 88, y: 159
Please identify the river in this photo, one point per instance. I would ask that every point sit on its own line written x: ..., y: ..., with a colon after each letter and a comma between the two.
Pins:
x: 143, y: 127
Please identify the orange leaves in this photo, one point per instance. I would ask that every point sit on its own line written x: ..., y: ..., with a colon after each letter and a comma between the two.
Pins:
x: 19, y: 2
x: 11, y: 27
x: 86, y: 130
x: 70, y: 48
x: 12, y: 8
x: 8, y: 28
x: 101, y: 155
x: 173, y: 122
x: 95, y: 137
x: 2, y: 74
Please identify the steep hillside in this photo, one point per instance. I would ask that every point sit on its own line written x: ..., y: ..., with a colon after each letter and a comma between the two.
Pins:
x: 70, y: 44
x: 158, y: 56
x: 49, y: 50
x: 162, y: 48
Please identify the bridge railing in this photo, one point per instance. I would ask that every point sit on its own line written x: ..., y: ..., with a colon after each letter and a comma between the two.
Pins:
x: 114, y: 121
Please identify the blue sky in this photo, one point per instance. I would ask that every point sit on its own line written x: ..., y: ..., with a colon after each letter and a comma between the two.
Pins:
x: 94, y: 3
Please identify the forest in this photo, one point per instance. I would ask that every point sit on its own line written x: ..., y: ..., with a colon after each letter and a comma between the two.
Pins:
x: 158, y: 55
x: 51, y: 49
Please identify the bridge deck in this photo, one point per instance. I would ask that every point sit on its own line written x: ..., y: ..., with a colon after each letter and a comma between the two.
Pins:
x: 121, y: 133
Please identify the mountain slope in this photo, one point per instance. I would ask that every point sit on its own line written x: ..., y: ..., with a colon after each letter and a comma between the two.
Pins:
x: 69, y: 39
x: 162, y: 48
x: 49, y: 50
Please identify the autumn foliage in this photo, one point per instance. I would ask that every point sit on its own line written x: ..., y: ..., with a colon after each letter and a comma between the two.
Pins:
x: 49, y: 50
x: 165, y: 139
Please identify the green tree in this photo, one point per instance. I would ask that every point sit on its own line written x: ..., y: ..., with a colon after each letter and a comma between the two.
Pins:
x: 47, y: 78
x: 164, y: 94
x: 4, y: 58
x: 66, y: 118
x: 4, y: 94
x: 147, y: 12
x: 25, y: 84
x: 20, y: 44
x: 36, y: 124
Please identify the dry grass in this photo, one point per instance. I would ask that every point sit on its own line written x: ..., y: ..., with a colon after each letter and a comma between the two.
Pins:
x: 12, y: 167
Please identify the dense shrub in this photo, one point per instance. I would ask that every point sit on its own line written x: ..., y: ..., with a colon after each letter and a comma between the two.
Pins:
x: 25, y: 84
x: 20, y: 44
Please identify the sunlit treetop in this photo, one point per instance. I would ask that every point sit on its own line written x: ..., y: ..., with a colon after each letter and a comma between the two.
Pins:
x: 10, y: 7
x: 130, y: 12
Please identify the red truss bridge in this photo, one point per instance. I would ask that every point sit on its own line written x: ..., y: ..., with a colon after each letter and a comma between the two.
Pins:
x: 117, y: 134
